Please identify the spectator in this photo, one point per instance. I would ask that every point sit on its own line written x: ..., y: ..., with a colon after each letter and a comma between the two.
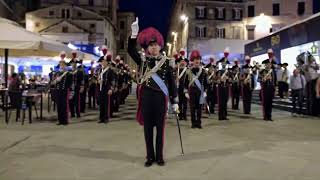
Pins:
x: 297, y: 84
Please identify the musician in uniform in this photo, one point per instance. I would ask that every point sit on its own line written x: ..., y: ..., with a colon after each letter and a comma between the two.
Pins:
x: 92, y: 87
x: 154, y: 89
x: 77, y: 86
x: 106, y: 86
x: 247, y: 85
x: 84, y: 90
x: 63, y: 83
x: 196, y: 82
x: 212, y: 83
x: 182, y: 68
x: 267, y: 79
x: 271, y: 59
x: 235, y: 90
x: 223, y: 85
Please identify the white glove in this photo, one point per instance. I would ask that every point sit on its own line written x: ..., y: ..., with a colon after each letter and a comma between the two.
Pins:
x: 175, y: 107
x: 187, y: 95
x: 135, y: 28
x: 204, y: 94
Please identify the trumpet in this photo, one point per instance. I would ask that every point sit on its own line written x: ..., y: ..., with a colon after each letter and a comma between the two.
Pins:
x: 267, y: 75
x: 247, y: 80
x: 223, y: 77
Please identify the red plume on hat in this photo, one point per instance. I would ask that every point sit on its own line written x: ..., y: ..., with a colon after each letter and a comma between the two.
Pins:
x: 148, y: 36
x: 109, y: 57
x: 195, y: 54
x: 176, y: 56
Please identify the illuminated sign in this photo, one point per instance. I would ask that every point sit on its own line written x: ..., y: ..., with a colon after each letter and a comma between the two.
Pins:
x: 275, y: 40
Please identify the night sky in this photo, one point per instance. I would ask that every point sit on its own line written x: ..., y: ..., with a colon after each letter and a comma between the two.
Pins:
x: 154, y: 13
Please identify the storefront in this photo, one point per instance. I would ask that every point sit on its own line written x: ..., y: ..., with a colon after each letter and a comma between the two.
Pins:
x: 289, y: 42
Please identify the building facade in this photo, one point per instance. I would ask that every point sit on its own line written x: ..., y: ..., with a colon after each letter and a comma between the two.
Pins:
x: 216, y: 24
x: 86, y: 25
x: 125, y: 20
x: 5, y: 10
x: 266, y: 16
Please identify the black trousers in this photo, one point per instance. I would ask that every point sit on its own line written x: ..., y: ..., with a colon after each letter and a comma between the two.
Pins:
x: 223, y: 96
x: 104, y: 108
x: 267, y: 94
x: 74, y: 103
x: 183, y: 105
x: 154, y: 106
x: 115, y: 100
x: 297, y: 95
x: 247, y: 97
x: 195, y: 106
x: 92, y: 96
x: 235, y: 95
x: 283, y: 88
x: 62, y: 106
x: 212, y: 97
x: 83, y: 99
x: 311, y: 98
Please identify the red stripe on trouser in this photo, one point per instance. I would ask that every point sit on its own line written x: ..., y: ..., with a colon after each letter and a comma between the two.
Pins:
x: 108, y: 110
x: 68, y: 108
x: 218, y: 98
x: 262, y: 100
x: 242, y: 95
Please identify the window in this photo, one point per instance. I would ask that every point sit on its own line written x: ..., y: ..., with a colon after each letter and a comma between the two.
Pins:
x: 220, y: 13
x: 92, y: 25
x: 122, y: 25
x: 201, y: 12
x: 103, y: 13
x: 79, y: 14
x: 63, y: 13
x: 276, y: 9
x: 220, y: 33
x: 68, y: 13
x: 51, y: 13
x: 251, y: 11
x: 201, y: 31
x: 65, y: 29
x: 236, y: 32
x: 301, y: 8
x: 122, y: 44
x: 236, y: 14
x: 250, y: 34
x: 91, y: 2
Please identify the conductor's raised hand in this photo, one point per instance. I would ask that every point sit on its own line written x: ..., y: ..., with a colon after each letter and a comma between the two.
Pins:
x: 135, y: 28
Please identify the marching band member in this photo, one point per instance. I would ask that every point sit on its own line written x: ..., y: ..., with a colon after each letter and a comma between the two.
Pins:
x: 63, y: 83
x: 267, y: 79
x: 196, y: 82
x: 247, y: 85
x: 156, y: 85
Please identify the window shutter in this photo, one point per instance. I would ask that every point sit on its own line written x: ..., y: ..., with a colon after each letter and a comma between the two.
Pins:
x: 224, y: 14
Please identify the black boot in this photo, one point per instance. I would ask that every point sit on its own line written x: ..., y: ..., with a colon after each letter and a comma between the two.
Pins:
x: 148, y: 163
